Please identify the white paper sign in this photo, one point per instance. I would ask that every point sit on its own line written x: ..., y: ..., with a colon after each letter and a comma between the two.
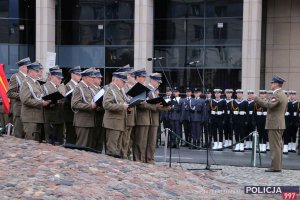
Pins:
x: 51, y: 58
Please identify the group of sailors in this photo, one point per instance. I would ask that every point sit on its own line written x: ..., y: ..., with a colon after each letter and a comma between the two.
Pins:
x: 219, y: 119
x: 77, y: 118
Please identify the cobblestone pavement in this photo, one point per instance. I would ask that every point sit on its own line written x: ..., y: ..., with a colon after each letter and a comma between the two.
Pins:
x: 29, y: 170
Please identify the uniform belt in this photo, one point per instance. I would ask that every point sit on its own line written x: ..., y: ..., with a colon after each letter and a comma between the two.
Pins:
x: 216, y: 112
x: 286, y: 113
x: 239, y: 112
x: 250, y: 112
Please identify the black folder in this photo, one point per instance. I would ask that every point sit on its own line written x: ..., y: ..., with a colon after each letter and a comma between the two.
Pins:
x: 159, y: 100
x: 138, y: 89
x: 53, y: 97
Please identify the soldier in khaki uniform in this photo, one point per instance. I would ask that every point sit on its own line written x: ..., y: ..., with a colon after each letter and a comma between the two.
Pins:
x: 155, y: 81
x: 54, y: 124
x: 32, y: 111
x: 114, y: 120
x: 97, y: 139
x: 14, y: 86
x: 126, y: 142
x: 68, y: 113
x: 275, y: 122
x: 84, y: 108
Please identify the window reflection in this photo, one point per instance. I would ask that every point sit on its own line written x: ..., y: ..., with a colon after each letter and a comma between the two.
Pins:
x: 224, y: 8
x: 119, y: 33
x: 118, y: 56
x: 120, y: 9
x: 223, y: 57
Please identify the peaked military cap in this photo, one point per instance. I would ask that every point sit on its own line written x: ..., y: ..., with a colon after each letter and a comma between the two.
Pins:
x: 197, y: 90
x: 277, y: 79
x: 168, y: 89
x: 188, y: 89
x: 156, y: 77
x: 54, y: 68
x: 292, y: 92
x: 229, y: 91
x: 262, y: 91
x: 88, y: 72
x: 97, y: 73
x: 239, y: 91
x: 24, y: 61
x: 35, y: 66
x: 217, y: 90
x: 176, y: 89
x: 75, y: 70
x: 120, y: 75
x: 126, y: 68
x: 140, y: 72
x: 57, y: 72
x: 208, y: 91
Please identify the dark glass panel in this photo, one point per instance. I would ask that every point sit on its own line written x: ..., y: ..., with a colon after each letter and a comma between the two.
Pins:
x: 195, y: 32
x: 196, y: 55
x: 222, y: 78
x: 224, y: 8
x: 107, y: 75
x: 80, y: 32
x: 224, y: 31
x: 223, y: 57
x: 119, y: 32
x: 120, y: 9
x: 174, y: 56
x: 80, y: 10
x: 178, y: 8
x: 170, y: 32
x: 17, y: 31
x: 118, y: 56
x: 4, y: 8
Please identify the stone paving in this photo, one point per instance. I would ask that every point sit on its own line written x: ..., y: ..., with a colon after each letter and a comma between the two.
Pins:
x: 29, y: 170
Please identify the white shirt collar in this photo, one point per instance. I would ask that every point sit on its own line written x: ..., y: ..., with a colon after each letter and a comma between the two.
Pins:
x: 84, y: 83
x: 75, y: 83
x: 23, y: 73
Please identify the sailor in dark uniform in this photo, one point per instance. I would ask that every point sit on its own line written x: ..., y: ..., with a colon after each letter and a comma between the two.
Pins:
x: 197, y: 108
x: 240, y: 108
x: 228, y: 118
x: 260, y: 114
x: 175, y: 116
x: 251, y: 122
x: 217, y: 111
x: 207, y: 118
x: 186, y: 114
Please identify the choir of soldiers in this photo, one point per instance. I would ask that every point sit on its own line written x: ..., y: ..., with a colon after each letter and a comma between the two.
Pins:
x: 122, y: 129
x: 78, y: 118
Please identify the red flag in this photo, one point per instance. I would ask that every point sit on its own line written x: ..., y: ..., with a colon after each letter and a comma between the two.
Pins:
x: 3, y: 89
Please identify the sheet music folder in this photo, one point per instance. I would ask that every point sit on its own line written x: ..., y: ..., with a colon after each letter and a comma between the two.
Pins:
x: 138, y: 93
x: 161, y: 100
x: 53, y: 96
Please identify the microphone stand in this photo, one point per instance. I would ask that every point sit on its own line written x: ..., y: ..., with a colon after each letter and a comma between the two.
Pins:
x: 163, y: 71
x: 208, y: 141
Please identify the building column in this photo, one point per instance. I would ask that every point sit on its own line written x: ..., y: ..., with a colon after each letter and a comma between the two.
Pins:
x: 143, y: 34
x: 251, y: 51
x: 45, y: 30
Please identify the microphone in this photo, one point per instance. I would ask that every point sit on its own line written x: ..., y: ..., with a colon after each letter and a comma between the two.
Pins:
x: 158, y: 58
x: 194, y: 62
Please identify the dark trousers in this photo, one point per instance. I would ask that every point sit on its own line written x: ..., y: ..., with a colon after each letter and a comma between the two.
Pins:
x: 187, y: 130
x: 262, y: 132
x: 197, y: 130
x: 239, y: 130
x: 217, y: 129
x: 228, y: 129
x: 250, y: 128
x: 290, y: 133
x: 176, y: 127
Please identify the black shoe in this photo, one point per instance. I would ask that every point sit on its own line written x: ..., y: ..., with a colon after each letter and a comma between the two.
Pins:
x: 272, y: 170
x: 115, y: 155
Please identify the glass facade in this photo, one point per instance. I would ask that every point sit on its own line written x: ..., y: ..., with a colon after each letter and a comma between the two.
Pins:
x: 17, y: 35
x: 206, y: 31
x: 95, y: 33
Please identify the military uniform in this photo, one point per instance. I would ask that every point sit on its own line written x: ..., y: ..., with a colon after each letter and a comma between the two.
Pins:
x: 228, y: 126
x: 197, y: 109
x: 251, y: 122
x: 84, y: 114
x: 217, y: 113
x: 14, y: 86
x: 239, y: 109
x: 260, y: 114
x: 54, y: 122
x: 32, y: 111
x: 186, y: 117
x: 275, y: 123
x: 114, y: 120
x: 175, y: 117
x: 291, y: 120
